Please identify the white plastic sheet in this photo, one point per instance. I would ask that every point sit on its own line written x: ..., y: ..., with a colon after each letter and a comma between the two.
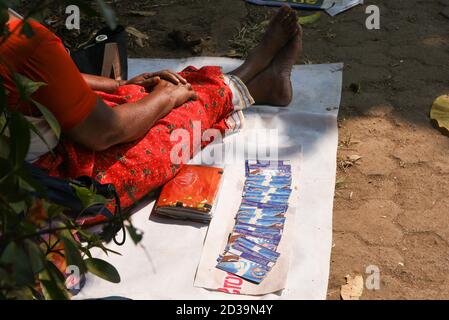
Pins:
x: 165, y: 264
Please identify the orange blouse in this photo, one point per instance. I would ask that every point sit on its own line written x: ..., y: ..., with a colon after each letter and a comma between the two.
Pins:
x: 43, y: 58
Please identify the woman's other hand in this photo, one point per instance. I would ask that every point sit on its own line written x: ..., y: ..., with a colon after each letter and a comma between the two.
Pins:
x: 178, y: 94
x: 130, y: 121
x: 150, y: 79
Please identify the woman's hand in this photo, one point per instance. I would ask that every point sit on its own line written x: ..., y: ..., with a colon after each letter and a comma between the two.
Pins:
x: 115, y: 122
x: 177, y: 94
x: 151, y: 79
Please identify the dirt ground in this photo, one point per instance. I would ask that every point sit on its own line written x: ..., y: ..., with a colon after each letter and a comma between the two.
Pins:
x: 390, y: 205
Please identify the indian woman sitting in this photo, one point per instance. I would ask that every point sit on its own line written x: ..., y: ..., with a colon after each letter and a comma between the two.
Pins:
x: 119, y: 131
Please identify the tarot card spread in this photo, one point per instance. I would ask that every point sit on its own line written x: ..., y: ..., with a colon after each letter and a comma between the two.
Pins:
x: 259, y: 224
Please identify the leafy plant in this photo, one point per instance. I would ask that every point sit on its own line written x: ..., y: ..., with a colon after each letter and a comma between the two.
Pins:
x: 38, y: 239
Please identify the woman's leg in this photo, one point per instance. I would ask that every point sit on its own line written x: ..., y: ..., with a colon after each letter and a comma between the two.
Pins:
x: 281, y: 29
x: 277, y: 77
x: 270, y: 87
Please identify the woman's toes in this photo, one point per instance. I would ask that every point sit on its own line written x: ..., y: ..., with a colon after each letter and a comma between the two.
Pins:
x: 291, y: 21
x: 288, y: 17
x: 284, y: 10
x: 282, y: 14
x: 293, y: 14
x: 287, y: 27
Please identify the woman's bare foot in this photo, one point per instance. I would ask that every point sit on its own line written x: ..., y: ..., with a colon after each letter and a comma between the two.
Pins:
x: 281, y: 29
x: 273, y: 85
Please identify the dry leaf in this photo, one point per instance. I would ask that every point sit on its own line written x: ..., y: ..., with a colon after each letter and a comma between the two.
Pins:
x: 354, y: 158
x: 349, y: 161
x: 353, y: 288
x: 140, y: 36
x: 440, y: 112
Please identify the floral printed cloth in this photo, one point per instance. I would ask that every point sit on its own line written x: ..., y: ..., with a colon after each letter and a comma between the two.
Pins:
x: 139, y: 167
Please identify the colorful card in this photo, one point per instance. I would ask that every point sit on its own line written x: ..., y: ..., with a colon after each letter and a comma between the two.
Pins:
x: 248, y: 255
x: 267, y: 253
x: 266, y: 243
x: 269, y: 222
x: 269, y: 204
x: 260, y: 211
x: 241, y: 267
x: 266, y: 190
x: 273, y: 238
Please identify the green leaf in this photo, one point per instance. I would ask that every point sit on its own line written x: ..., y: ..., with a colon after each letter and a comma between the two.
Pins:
x: 73, y: 255
x: 3, y: 121
x: 27, y: 228
x: 39, y: 134
x: 9, y: 182
x: 20, y: 293
x: 86, y: 252
x: 53, y: 210
x: 5, y: 168
x: 4, y: 17
x: 52, y: 283
x: 50, y: 118
x: 136, y: 235
x: 87, y: 236
x: 108, y: 14
x: 18, y: 207
x: 99, y: 244
x: 25, y: 186
x: 107, y: 251
x: 16, y: 257
x: 27, y: 182
x: 26, y: 86
x: 6, y: 279
x: 36, y: 256
x: 4, y: 146
x: 88, y: 197
x: 27, y: 29
x: 103, y: 269
x: 19, y: 139
x: 3, y: 98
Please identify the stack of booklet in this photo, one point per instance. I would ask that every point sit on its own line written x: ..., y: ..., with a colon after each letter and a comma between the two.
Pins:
x: 191, y: 195
x: 251, y: 249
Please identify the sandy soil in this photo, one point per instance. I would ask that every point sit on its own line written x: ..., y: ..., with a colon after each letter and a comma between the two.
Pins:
x: 390, y: 206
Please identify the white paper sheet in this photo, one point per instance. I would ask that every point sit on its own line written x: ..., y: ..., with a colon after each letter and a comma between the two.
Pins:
x: 164, y: 265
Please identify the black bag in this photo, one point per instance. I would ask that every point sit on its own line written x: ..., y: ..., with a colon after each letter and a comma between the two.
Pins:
x: 105, y: 55
x: 61, y: 192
